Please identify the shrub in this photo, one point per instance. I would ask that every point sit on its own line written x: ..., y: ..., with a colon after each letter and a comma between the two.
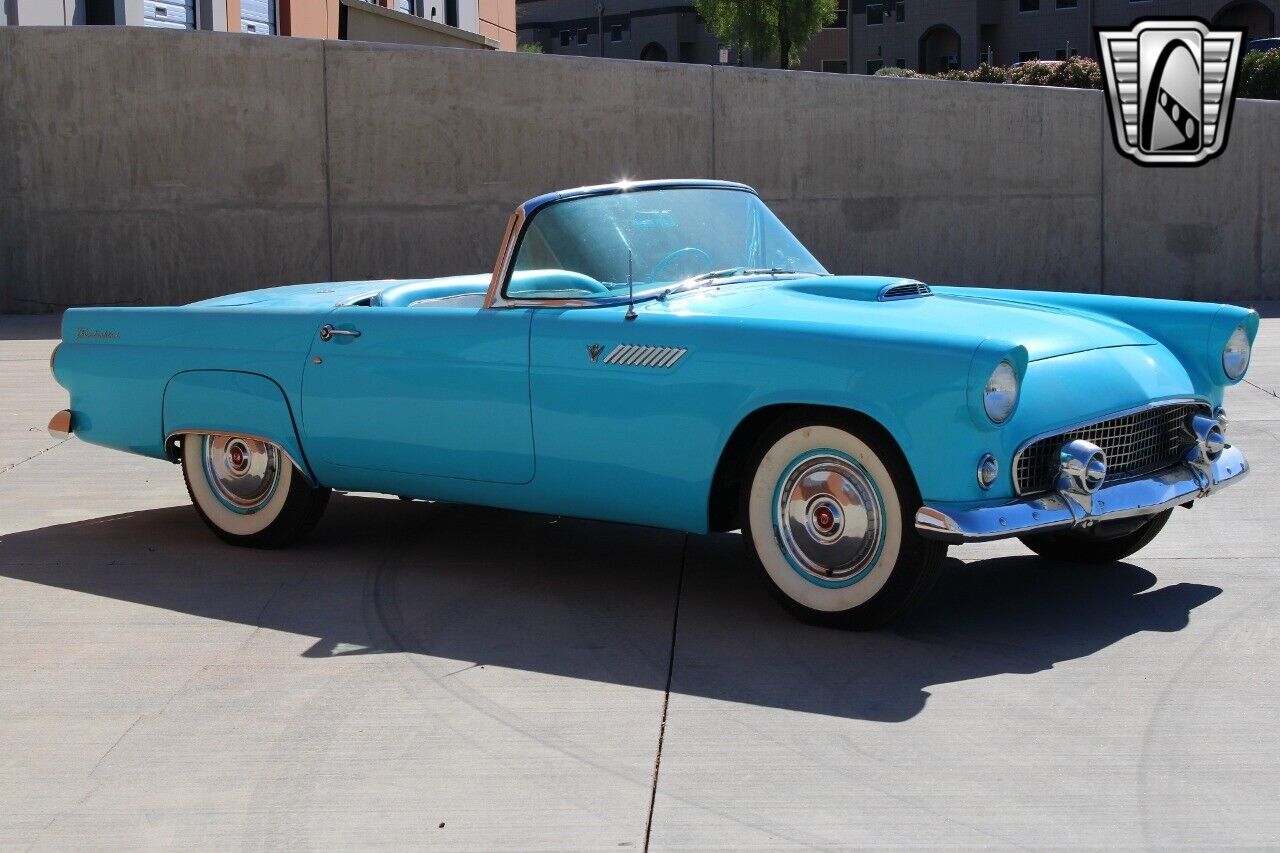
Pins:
x: 1076, y: 73
x: 985, y: 73
x: 1031, y: 74
x: 1260, y: 75
x: 529, y: 47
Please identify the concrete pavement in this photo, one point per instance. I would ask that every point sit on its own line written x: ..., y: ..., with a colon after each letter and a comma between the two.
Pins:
x: 420, y: 675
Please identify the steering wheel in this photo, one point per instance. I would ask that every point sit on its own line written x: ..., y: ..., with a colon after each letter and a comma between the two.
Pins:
x: 678, y: 253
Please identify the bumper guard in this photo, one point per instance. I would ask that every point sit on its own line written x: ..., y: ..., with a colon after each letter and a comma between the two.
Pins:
x: 1062, y: 510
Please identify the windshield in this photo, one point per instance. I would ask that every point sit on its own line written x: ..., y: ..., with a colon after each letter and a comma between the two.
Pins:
x: 585, y: 247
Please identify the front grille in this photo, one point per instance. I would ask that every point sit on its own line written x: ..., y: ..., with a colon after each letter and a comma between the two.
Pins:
x: 1135, y: 444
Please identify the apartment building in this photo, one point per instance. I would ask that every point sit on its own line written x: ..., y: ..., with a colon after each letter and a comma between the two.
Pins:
x: 653, y: 30
x: 455, y: 23
x: 934, y: 35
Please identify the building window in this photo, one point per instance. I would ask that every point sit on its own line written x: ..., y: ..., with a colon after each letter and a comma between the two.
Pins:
x: 1067, y: 4
x: 615, y: 32
x: 987, y: 56
x: 1029, y: 56
x: 1061, y: 55
x: 874, y: 65
x: 841, y: 20
x: 564, y: 38
x: 835, y: 66
x: 875, y: 14
x: 900, y: 11
x: 1028, y: 5
x: 582, y: 36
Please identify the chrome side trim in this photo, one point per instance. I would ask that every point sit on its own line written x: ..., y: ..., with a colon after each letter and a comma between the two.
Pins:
x: 1176, y: 401
x: 53, y: 359
x: 306, y: 475
x: 61, y: 425
x: 1043, y: 513
x: 639, y: 355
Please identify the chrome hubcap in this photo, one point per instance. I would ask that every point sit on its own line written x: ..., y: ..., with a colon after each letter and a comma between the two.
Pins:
x: 828, y: 517
x: 243, y: 472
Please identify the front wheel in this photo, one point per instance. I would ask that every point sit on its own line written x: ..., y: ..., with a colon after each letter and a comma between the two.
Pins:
x: 827, y: 509
x: 1104, y: 543
x: 248, y: 491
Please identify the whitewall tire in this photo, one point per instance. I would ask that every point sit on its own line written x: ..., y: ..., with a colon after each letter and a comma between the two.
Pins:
x: 827, y: 509
x: 248, y: 491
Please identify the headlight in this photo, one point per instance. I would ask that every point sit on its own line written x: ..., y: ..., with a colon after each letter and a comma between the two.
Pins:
x: 1235, y: 355
x: 1001, y: 393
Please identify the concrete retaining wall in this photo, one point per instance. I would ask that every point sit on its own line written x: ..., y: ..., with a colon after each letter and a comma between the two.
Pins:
x: 142, y: 167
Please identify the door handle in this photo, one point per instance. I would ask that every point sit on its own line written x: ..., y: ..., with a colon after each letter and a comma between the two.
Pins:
x: 327, y: 331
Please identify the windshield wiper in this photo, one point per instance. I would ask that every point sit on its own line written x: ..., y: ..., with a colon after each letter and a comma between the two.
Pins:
x: 727, y: 272
x: 724, y: 273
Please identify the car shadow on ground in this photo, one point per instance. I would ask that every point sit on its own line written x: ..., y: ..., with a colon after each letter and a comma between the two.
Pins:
x: 596, y: 601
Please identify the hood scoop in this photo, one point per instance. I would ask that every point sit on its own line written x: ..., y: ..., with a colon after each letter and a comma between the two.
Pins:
x: 904, y: 290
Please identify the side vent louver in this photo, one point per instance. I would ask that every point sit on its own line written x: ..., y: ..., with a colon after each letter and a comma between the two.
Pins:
x: 637, y: 355
x: 904, y: 290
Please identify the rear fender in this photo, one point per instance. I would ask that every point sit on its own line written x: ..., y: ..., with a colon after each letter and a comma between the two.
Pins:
x: 234, y: 402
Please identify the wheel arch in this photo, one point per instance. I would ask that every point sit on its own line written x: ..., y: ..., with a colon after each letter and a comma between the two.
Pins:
x: 722, y: 501
x: 231, y: 402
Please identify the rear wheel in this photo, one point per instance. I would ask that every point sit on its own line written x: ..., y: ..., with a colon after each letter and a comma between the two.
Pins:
x: 248, y: 491
x: 1103, y: 543
x: 827, y: 509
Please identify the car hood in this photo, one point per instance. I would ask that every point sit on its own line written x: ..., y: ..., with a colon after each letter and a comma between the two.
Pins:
x: 852, y: 302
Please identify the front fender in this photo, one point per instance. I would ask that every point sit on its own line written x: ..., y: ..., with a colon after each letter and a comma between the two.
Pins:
x: 1195, y: 332
x: 236, y: 402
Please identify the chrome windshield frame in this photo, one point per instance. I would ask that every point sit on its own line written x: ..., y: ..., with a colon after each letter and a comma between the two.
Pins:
x: 516, y: 225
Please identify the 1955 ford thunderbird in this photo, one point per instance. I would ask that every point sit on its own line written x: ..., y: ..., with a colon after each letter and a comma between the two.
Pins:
x: 667, y: 353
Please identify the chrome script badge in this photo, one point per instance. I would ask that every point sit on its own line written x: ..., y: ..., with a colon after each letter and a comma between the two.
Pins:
x: 1170, y: 89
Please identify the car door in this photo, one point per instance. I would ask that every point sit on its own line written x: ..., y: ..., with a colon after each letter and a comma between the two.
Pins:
x: 439, y: 391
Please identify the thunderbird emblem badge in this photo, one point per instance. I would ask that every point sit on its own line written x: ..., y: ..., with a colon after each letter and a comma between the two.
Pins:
x: 594, y: 352
x: 1170, y: 89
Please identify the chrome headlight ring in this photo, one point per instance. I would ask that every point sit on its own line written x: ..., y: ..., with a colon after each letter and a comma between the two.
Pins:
x: 1236, y: 354
x: 1000, y: 394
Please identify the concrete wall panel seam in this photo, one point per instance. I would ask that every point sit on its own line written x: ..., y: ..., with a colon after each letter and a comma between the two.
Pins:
x: 328, y: 179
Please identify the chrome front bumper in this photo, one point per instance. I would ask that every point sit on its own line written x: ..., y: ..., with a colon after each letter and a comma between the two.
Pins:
x: 1062, y: 510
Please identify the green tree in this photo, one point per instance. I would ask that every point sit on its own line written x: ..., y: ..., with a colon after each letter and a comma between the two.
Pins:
x: 766, y: 27
x: 797, y: 22
x: 744, y: 25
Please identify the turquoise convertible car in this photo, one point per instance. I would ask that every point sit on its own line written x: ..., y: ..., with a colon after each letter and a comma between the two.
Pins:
x: 667, y: 353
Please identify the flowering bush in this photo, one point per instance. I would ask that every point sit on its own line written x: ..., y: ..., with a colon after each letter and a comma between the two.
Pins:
x: 1260, y: 75
x: 1075, y: 73
x: 891, y: 71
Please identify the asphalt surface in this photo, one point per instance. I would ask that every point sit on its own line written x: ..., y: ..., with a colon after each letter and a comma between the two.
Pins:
x: 421, y: 675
